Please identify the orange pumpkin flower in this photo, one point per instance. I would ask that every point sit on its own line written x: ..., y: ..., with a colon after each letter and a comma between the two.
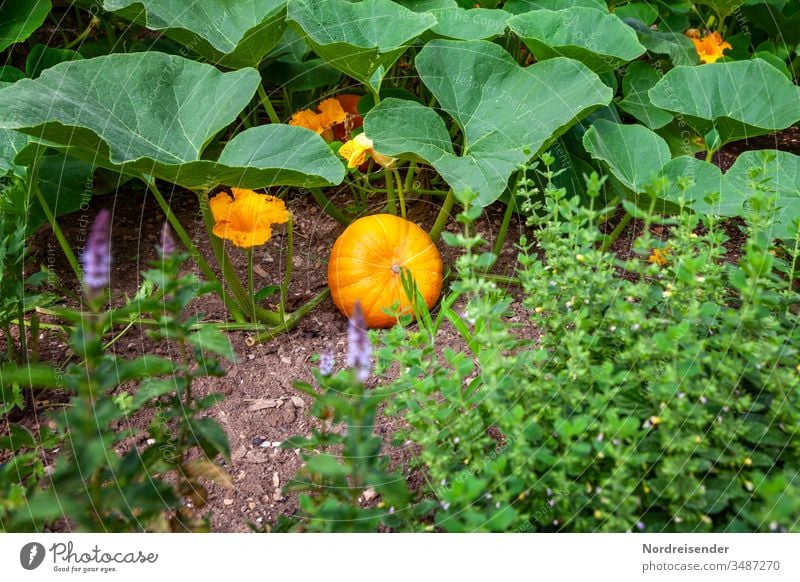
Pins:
x: 246, y: 219
x: 337, y: 117
x: 330, y: 113
x: 355, y: 152
x: 709, y: 47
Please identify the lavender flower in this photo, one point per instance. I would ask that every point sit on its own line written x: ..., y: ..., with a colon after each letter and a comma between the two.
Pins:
x: 167, y: 243
x: 97, y: 254
x: 326, y: 363
x: 359, y: 350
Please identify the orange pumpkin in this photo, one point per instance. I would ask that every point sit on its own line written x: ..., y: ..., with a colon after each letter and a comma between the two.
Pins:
x: 366, y: 262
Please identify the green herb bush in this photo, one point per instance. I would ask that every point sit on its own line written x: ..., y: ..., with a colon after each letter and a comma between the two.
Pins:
x: 609, y: 394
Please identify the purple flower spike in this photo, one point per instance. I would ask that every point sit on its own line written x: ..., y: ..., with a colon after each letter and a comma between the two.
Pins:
x: 326, y: 363
x: 97, y: 254
x: 359, y: 349
x: 167, y: 246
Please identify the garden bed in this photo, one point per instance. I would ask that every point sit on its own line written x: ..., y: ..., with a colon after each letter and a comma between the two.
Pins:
x: 399, y: 265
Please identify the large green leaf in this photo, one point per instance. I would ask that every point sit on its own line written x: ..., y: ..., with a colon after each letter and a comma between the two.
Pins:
x: 774, y: 172
x: 361, y: 39
x: 20, y: 18
x: 452, y: 21
x: 43, y: 57
x: 507, y: 113
x: 153, y: 114
x: 677, y: 46
x: 700, y: 184
x: 523, y: 6
x: 65, y: 183
x: 11, y: 143
x: 712, y: 96
x: 639, y: 78
x: 633, y: 153
x: 722, y: 7
x: 231, y: 33
x: 780, y: 21
x: 599, y: 40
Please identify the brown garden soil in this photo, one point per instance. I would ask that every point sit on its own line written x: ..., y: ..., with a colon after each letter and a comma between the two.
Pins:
x: 261, y: 407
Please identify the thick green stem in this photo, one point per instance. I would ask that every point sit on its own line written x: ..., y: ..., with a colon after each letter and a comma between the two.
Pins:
x: 262, y: 94
x: 501, y: 236
x: 250, y: 286
x: 33, y: 187
x: 444, y: 216
x: 410, y: 175
x: 391, y: 201
x: 294, y: 318
x: 329, y: 207
x: 194, y: 253
x: 93, y: 23
x: 287, y: 276
x: 400, y: 196
x: 502, y: 279
x: 376, y: 94
x: 616, y: 232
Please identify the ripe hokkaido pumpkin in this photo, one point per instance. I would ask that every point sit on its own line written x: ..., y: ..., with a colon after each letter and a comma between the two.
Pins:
x: 367, y: 260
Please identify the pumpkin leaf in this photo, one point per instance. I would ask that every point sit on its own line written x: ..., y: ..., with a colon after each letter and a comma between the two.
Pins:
x: 774, y: 172
x: 363, y: 39
x: 633, y: 153
x: 523, y: 6
x: 507, y: 113
x: 308, y: 75
x: 639, y: 78
x: 675, y: 45
x: 710, y: 97
x: 43, y: 57
x: 721, y: 7
x: 151, y: 113
x: 9, y: 74
x: 232, y: 34
x: 455, y: 22
x: 778, y: 21
x: 641, y: 11
x: 20, y: 18
x: 11, y: 144
x: 65, y: 183
x: 599, y: 40
x: 700, y: 184
x: 276, y: 154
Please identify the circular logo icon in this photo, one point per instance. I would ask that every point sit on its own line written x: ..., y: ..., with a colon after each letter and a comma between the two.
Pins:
x: 31, y: 555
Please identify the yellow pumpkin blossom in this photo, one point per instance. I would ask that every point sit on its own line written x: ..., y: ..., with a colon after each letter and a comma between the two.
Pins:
x: 355, y: 152
x: 709, y: 47
x: 246, y: 219
x: 330, y: 113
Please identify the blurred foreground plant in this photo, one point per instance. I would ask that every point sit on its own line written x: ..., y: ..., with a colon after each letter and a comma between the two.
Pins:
x: 344, y: 467
x: 100, y: 479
